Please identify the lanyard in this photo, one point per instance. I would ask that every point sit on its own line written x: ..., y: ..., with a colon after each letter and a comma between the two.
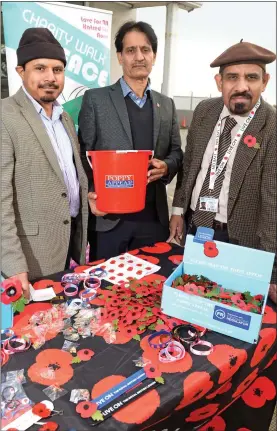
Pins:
x: 216, y: 172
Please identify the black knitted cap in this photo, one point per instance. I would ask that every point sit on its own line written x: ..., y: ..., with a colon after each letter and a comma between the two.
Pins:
x: 39, y: 43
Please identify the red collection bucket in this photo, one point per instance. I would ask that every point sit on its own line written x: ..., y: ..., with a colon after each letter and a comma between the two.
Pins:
x: 120, y: 180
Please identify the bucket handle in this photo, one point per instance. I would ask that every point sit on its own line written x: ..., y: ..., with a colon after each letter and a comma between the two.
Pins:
x: 132, y: 151
x: 89, y: 162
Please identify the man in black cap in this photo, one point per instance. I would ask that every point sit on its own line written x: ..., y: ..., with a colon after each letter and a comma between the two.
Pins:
x: 230, y: 158
x: 44, y: 187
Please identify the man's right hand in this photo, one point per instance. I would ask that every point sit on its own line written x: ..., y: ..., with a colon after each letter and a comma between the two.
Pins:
x: 92, y: 203
x: 176, y: 227
x: 23, y: 277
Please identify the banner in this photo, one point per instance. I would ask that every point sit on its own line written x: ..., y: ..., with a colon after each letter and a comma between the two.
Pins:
x: 84, y: 33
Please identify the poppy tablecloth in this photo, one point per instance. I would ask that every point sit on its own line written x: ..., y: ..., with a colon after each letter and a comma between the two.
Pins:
x: 233, y: 389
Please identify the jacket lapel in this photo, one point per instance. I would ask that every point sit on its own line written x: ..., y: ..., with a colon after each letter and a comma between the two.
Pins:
x: 156, y: 103
x: 204, y: 132
x: 32, y: 117
x: 67, y: 123
x: 120, y: 106
x: 245, y: 155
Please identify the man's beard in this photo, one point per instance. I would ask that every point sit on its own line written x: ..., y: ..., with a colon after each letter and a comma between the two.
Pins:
x: 241, y: 107
x: 47, y: 99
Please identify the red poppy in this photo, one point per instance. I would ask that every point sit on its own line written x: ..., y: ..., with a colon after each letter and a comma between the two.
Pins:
x: 245, y: 383
x: 158, y: 248
x: 210, y: 249
x: 271, y: 361
x: 237, y: 300
x: 134, y: 252
x: 228, y: 360
x: 136, y: 412
x: 49, y: 426
x: 81, y: 268
x: 86, y: 409
x: 150, y: 259
x: 176, y: 258
x: 196, y: 385
x: 269, y: 315
x: 44, y: 284
x: 151, y: 354
x: 221, y: 390
x: 261, y: 391
x: 216, y: 424
x: 191, y: 288
x: 243, y: 429
x: 96, y: 262
x: 250, y: 141
x: 12, y: 290
x: 152, y: 371
x: 85, y: 354
x: 56, y: 364
x: 12, y: 429
x: 41, y: 410
x: 267, y: 339
x: 203, y: 413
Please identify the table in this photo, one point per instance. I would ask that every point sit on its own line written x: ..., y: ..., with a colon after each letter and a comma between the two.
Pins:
x: 234, y: 392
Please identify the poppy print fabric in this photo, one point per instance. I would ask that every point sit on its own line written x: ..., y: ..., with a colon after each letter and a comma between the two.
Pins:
x: 199, y: 392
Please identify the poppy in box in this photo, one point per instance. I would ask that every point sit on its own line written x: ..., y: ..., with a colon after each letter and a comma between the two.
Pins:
x: 41, y: 410
x: 196, y: 385
x: 12, y: 291
x: 86, y: 409
x: 261, y: 391
x: 49, y: 426
x: 85, y: 354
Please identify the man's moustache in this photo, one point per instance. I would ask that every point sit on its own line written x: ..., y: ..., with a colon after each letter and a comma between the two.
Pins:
x: 246, y: 95
x: 49, y: 86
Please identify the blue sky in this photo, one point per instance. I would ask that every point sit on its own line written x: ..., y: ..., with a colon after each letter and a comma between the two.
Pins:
x: 205, y: 33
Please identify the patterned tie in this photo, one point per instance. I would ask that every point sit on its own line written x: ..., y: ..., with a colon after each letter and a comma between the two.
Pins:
x: 205, y: 218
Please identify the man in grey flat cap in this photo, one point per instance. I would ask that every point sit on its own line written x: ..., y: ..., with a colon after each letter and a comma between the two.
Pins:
x: 44, y: 187
x: 230, y: 158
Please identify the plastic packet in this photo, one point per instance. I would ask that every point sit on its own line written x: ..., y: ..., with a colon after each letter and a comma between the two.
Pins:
x: 79, y: 395
x: 40, y: 334
x: 108, y: 333
x: 141, y: 362
x: 70, y: 346
x: 14, y: 402
x: 53, y: 392
x: 11, y: 376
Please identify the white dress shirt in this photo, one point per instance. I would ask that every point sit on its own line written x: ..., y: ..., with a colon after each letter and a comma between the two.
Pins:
x: 63, y: 149
x: 224, y: 194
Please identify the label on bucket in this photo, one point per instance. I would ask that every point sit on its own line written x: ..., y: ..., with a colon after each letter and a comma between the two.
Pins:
x: 119, y: 181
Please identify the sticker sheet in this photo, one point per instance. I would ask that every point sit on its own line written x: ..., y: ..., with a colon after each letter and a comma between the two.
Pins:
x: 125, y: 267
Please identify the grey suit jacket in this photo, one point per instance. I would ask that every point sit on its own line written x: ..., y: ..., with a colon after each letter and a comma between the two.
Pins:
x: 36, y: 220
x: 104, y: 125
x: 252, y: 203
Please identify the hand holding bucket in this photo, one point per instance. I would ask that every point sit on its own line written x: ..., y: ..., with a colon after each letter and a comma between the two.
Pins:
x: 120, y: 180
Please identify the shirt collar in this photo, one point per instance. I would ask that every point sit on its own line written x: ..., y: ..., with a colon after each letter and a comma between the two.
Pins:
x: 226, y: 113
x: 57, y: 108
x: 126, y: 89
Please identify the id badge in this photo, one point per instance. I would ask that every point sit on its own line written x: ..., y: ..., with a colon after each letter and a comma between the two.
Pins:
x: 208, y: 203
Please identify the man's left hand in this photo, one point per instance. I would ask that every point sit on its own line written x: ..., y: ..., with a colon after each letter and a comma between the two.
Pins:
x: 160, y: 169
x: 273, y: 292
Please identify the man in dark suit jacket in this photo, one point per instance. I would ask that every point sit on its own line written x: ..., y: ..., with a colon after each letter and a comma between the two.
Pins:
x: 129, y: 115
x: 245, y: 191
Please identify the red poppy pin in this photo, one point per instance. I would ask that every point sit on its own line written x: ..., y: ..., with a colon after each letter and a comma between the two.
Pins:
x: 83, y: 355
x: 12, y: 294
x: 88, y: 409
x: 251, y: 141
x: 41, y: 410
x: 49, y: 426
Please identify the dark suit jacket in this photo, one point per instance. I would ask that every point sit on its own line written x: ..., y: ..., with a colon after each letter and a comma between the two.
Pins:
x: 252, y: 204
x: 104, y: 125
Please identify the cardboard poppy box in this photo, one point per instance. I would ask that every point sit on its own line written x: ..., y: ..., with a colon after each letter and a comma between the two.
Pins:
x: 231, y: 297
